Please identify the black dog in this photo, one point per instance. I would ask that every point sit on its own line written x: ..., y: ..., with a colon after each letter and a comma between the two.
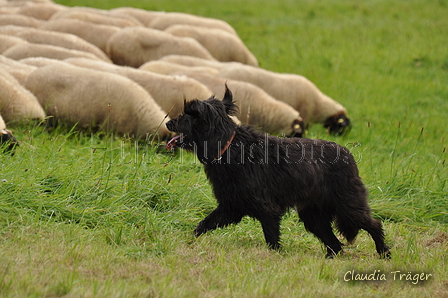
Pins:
x: 262, y: 176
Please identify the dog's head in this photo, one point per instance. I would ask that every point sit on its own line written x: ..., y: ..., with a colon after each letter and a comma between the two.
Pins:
x: 203, y: 121
x: 7, y: 141
x: 338, y: 124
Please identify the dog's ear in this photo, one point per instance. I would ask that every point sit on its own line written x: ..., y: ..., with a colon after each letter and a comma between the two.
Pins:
x: 231, y: 108
x: 193, y: 107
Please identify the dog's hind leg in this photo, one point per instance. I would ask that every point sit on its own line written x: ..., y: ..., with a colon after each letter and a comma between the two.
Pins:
x: 350, y: 220
x: 318, y: 222
x: 220, y: 217
x: 375, y: 229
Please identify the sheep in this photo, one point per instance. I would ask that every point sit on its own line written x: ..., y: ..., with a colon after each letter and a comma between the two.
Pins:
x: 60, y: 39
x: 167, y: 68
x: 7, y: 140
x: 168, y: 91
x: 25, y: 50
x: 163, y: 21
x: 40, y: 11
x: 192, y: 61
x: 20, y: 71
x: 93, y: 33
x: 256, y: 107
x: 295, y: 90
x: 96, y: 16
x: 133, y: 46
x: 223, y: 46
x: 144, y: 16
x: 17, y: 104
x: 19, y: 20
x: 2, y: 124
x: 95, y: 99
x: 39, y: 61
x: 35, y: 1
x: 7, y: 41
x: 7, y: 9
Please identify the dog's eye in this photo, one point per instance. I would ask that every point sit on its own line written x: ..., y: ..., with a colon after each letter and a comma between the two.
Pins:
x: 189, y: 118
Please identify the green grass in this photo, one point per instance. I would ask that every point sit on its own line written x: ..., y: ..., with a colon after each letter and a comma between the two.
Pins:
x: 94, y: 216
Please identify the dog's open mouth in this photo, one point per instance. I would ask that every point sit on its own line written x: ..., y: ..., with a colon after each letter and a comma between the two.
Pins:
x: 172, y: 143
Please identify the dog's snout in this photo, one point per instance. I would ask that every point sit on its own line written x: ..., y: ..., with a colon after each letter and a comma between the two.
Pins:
x: 170, y: 125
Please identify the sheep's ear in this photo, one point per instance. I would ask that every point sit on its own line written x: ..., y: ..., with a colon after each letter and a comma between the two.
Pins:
x: 231, y: 108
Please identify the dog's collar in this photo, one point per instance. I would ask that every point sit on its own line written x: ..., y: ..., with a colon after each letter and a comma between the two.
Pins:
x: 224, y: 149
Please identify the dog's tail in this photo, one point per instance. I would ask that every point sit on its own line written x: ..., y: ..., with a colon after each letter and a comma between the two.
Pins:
x: 347, y: 226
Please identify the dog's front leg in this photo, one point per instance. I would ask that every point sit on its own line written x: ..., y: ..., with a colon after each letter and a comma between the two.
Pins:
x: 220, y: 217
x: 271, y: 230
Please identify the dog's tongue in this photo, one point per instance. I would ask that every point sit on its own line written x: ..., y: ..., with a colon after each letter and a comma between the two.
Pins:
x: 172, y: 142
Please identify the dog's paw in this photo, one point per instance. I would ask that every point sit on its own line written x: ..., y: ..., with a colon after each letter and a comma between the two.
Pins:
x: 387, y: 255
x: 199, y: 230
x: 329, y: 256
x: 275, y: 246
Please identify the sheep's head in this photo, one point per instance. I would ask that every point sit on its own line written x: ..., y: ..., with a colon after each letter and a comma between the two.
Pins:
x: 338, y: 124
x: 298, y: 129
x: 7, y: 141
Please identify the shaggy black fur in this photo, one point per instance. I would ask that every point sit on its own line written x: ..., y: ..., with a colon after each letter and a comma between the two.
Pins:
x: 262, y: 176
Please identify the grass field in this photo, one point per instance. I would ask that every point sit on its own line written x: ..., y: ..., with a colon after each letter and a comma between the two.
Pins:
x: 94, y: 216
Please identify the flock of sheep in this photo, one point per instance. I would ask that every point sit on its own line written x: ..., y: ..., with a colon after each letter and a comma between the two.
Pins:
x: 129, y: 70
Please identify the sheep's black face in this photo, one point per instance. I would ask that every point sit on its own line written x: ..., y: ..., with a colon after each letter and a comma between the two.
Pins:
x: 338, y: 124
x: 203, y: 122
x: 7, y: 141
x: 298, y: 129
